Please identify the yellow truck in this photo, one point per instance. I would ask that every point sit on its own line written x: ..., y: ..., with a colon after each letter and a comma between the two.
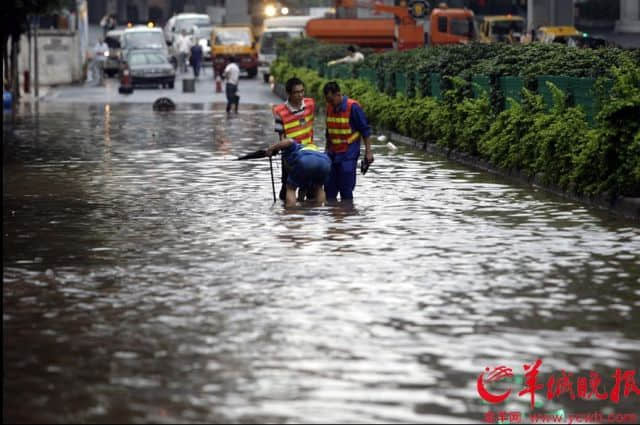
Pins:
x: 500, y: 28
x: 234, y: 41
x: 559, y: 34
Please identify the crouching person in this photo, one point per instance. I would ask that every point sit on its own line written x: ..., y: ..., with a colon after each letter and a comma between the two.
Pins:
x: 307, y: 169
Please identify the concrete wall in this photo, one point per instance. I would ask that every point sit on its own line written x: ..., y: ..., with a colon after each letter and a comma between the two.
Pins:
x: 237, y: 12
x: 629, y: 16
x: 549, y: 12
x: 59, y: 58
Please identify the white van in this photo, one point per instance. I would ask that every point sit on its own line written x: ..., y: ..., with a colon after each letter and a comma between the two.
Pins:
x: 142, y: 37
x: 184, y: 21
x: 274, y: 29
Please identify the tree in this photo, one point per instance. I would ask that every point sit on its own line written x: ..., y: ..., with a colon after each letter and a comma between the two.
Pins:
x: 15, y: 22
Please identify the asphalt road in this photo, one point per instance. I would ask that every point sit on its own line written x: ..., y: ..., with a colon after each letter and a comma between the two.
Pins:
x: 251, y: 91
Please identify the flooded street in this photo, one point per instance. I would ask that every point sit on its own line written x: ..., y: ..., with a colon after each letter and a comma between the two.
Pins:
x: 149, y: 277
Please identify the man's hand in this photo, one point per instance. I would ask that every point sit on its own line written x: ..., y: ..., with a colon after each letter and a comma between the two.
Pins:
x: 369, y: 155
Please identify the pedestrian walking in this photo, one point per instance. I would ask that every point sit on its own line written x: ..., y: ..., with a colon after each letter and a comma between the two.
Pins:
x: 183, y: 46
x: 294, y: 120
x: 347, y: 125
x: 308, y: 169
x: 196, y: 58
x: 231, y: 74
x: 97, y: 64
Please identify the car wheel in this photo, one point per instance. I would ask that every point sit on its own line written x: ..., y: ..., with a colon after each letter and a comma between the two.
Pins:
x: 265, y: 77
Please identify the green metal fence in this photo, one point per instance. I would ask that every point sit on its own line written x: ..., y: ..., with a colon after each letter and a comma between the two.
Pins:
x: 580, y: 91
x: 511, y: 88
x: 543, y: 89
x: 402, y: 83
x: 368, y: 74
x: 435, y: 83
x: 480, y: 84
x: 583, y: 95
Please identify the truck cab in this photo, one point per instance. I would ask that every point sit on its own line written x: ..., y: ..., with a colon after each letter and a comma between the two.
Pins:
x: 236, y: 41
x: 501, y: 28
x: 451, y: 26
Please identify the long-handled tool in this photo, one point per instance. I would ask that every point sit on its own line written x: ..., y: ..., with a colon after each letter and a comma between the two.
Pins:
x: 273, y: 184
x: 261, y: 154
x: 253, y: 155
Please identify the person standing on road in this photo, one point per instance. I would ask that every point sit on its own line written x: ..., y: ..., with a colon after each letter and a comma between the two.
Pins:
x: 196, y: 58
x: 308, y: 169
x: 231, y: 74
x: 346, y: 126
x: 294, y: 120
x: 97, y: 64
x: 183, y: 46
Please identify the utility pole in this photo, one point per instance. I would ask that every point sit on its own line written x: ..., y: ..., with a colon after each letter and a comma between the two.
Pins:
x: 36, y: 79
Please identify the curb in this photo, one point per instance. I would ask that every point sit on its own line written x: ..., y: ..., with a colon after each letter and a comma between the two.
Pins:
x: 621, y: 206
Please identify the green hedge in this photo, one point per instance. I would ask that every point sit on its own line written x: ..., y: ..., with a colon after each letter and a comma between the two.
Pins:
x: 557, y: 143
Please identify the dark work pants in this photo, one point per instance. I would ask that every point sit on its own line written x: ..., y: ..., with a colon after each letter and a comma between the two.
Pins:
x: 232, y: 97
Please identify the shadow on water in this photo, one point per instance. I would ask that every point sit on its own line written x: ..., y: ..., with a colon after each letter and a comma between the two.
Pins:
x: 149, y: 277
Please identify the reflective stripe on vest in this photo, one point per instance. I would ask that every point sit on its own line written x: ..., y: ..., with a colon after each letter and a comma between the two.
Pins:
x: 340, y: 132
x: 296, y: 127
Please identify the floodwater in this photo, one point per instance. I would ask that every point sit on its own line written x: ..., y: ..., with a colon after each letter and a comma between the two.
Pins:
x: 149, y: 277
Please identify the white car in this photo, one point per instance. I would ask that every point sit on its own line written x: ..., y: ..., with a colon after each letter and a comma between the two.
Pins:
x: 186, y: 22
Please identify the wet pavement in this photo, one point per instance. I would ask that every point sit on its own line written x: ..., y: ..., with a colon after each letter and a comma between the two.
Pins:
x: 149, y: 277
x: 252, y: 91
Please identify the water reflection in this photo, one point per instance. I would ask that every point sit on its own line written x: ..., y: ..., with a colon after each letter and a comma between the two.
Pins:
x: 148, y: 276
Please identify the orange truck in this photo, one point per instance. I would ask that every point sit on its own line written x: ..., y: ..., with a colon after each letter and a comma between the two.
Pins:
x: 404, y: 31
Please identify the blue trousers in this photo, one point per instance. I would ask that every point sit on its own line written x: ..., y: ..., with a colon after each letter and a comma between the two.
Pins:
x: 342, y: 179
x: 310, y: 169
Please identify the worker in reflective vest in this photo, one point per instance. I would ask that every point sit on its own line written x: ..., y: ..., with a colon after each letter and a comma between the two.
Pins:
x: 294, y: 120
x: 346, y: 126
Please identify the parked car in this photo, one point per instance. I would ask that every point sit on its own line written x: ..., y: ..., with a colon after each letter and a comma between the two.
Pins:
x: 184, y: 21
x: 146, y: 67
x: 113, y: 39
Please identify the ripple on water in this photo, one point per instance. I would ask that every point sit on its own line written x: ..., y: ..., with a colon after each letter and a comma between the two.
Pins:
x: 143, y: 266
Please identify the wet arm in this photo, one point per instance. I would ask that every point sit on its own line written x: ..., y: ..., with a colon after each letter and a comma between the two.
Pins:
x: 282, y: 144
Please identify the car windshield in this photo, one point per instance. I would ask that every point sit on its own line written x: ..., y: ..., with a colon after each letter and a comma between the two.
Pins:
x: 227, y: 37
x: 187, y: 24
x: 462, y: 27
x: 203, y: 32
x: 269, y: 39
x: 112, y: 41
x: 146, y: 58
x: 144, y: 39
x: 504, y: 27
